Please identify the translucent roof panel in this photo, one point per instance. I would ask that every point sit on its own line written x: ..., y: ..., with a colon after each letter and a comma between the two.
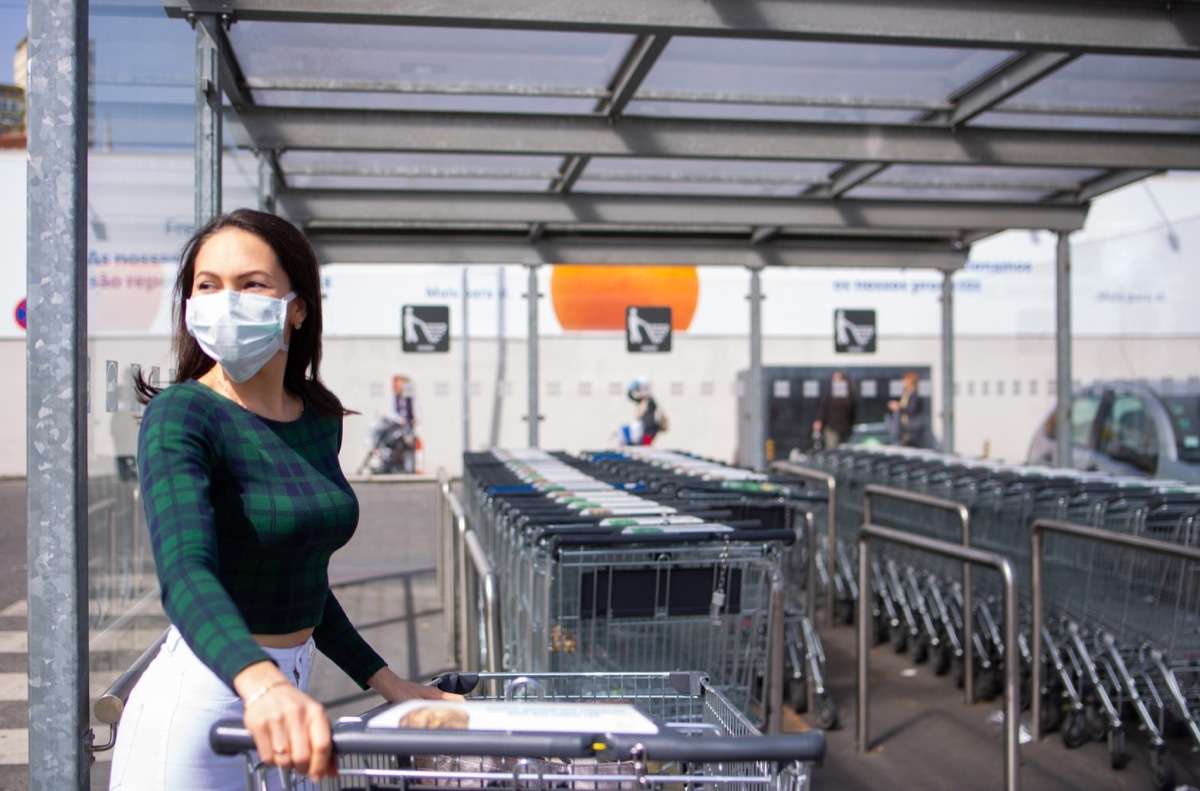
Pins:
x: 693, y: 177
x: 1109, y: 92
x: 389, y: 66
x: 827, y: 81
x: 384, y: 171
x: 142, y: 80
x: 922, y: 182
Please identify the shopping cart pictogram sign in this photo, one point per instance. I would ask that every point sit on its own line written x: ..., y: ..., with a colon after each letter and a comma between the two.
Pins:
x: 647, y: 329
x: 854, y: 331
x: 425, y: 328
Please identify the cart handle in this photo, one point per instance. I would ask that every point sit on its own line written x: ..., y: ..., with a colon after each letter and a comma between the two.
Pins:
x: 230, y: 737
x: 780, y: 747
x: 758, y: 536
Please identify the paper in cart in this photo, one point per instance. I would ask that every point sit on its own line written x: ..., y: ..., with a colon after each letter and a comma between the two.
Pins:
x: 515, y: 717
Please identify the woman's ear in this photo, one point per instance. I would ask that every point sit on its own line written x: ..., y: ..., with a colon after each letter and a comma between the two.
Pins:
x: 299, y: 312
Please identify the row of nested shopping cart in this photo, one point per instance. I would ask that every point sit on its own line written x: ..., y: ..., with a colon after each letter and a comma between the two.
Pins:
x: 1121, y: 619
x: 653, y: 560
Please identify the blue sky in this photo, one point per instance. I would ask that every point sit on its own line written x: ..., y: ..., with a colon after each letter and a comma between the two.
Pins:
x: 14, y: 23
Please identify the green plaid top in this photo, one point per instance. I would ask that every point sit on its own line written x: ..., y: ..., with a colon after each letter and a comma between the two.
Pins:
x: 244, y: 514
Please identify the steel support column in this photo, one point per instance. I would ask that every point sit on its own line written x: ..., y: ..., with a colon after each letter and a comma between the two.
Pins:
x: 755, y: 387
x: 266, y: 183
x: 1062, y: 330
x: 208, y: 118
x: 466, y: 367
x: 56, y: 401
x: 947, y: 362
x: 532, y: 300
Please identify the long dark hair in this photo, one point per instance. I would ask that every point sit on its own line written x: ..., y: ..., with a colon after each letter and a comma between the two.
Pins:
x: 298, y: 260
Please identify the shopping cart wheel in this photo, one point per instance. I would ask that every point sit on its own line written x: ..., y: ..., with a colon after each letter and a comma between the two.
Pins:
x: 796, y: 692
x: 882, y: 629
x: 920, y: 649
x: 1097, y: 723
x: 1162, y: 769
x: 1117, y: 754
x: 943, y: 658
x: 1051, y: 713
x: 899, y: 638
x: 825, y: 713
x: 987, y: 682
x: 1074, y: 729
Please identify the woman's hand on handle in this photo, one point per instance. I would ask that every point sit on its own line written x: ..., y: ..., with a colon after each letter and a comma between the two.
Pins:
x: 395, y: 689
x: 290, y: 729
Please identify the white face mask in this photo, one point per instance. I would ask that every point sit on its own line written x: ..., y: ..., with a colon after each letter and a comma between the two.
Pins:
x: 240, y: 331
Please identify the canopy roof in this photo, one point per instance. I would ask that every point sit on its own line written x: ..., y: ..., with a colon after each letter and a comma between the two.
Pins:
x: 735, y: 132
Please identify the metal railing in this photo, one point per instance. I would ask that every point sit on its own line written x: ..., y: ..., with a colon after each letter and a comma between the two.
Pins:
x: 830, y: 528
x: 873, y: 490
x: 109, y: 707
x: 1037, y: 585
x: 1012, y: 697
x: 470, y: 589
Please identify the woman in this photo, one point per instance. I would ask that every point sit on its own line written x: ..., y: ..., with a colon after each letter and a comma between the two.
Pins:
x: 245, y: 501
x: 910, y: 413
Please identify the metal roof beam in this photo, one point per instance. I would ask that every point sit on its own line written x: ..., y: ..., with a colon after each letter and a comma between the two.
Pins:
x: 496, y: 133
x: 894, y: 254
x: 370, y: 206
x: 1067, y: 25
x: 1011, y: 78
x: 1111, y: 181
x: 638, y: 61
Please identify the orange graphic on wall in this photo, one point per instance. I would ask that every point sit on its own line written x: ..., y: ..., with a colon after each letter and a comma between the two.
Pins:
x: 595, y: 297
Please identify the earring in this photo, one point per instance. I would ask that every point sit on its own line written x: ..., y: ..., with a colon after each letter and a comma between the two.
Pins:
x: 298, y: 323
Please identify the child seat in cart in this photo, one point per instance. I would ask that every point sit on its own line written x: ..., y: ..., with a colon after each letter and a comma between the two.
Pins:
x: 586, y: 731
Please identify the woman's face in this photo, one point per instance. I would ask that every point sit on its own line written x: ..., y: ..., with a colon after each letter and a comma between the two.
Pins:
x: 233, y: 259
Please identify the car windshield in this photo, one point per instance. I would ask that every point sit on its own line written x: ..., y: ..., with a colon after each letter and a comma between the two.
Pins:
x: 1184, y: 412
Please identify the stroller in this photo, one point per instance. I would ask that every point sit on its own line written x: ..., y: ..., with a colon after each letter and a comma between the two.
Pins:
x: 393, y: 447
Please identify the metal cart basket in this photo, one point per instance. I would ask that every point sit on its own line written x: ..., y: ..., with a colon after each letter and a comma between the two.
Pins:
x: 688, y: 735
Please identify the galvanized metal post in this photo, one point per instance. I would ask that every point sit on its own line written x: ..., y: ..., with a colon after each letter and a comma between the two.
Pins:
x: 947, y: 362
x: 208, y: 118
x: 1062, y: 329
x: 466, y: 367
x: 501, y: 360
x: 56, y: 405
x: 755, y: 387
x: 532, y: 300
x: 266, y: 183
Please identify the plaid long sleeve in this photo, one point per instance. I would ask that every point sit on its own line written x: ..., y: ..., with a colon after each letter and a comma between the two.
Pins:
x: 244, y: 514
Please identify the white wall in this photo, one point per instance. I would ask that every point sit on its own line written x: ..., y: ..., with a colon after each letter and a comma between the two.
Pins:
x: 582, y: 389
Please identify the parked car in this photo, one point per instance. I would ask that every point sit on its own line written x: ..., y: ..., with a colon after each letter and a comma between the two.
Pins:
x: 1130, y: 428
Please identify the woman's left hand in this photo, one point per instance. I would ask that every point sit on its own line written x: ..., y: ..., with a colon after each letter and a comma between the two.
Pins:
x: 395, y: 689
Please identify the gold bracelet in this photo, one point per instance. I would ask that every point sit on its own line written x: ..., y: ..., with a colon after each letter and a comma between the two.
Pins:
x: 261, y: 691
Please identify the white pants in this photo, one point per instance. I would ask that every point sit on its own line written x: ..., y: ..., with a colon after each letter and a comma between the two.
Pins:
x: 162, y: 739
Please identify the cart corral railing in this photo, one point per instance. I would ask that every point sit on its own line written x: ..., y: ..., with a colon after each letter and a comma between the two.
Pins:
x: 872, y: 491
x: 830, y: 482
x: 1012, y: 698
x: 469, y: 587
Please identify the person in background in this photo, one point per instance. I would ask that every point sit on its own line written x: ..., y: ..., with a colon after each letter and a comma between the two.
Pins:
x: 911, y: 413
x: 648, y: 420
x: 246, y: 502
x: 836, y: 411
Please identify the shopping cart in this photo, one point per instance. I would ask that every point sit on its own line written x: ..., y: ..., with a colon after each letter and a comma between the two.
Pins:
x: 605, y: 574
x: 584, y: 732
